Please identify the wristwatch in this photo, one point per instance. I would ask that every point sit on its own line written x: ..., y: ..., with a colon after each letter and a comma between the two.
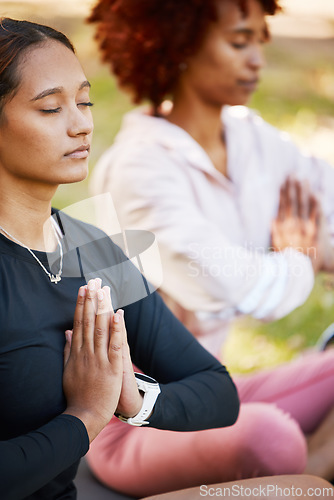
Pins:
x: 151, y: 389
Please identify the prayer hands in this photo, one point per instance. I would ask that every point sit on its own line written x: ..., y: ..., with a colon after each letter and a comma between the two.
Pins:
x: 298, y: 222
x: 98, y: 374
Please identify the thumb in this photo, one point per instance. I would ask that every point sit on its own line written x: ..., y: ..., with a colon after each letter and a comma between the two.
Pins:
x: 67, y: 349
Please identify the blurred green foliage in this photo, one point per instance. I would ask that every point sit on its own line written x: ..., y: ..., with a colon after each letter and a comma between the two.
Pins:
x: 299, y: 79
x: 254, y: 345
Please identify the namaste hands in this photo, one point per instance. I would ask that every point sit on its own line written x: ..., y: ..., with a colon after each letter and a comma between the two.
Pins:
x: 98, y: 375
x: 300, y: 224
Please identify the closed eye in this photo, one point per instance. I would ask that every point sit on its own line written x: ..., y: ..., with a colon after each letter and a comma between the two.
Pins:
x: 86, y: 104
x: 239, y: 45
x: 56, y: 110
x: 53, y: 110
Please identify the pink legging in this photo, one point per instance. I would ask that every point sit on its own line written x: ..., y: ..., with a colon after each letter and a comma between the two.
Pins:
x: 278, y: 407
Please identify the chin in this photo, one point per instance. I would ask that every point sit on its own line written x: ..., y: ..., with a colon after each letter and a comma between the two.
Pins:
x: 240, y: 100
x: 75, y: 175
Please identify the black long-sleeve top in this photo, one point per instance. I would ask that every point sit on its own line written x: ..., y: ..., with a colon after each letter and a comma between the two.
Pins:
x: 39, y: 447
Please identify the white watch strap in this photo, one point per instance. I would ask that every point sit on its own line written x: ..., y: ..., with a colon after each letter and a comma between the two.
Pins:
x: 151, y: 390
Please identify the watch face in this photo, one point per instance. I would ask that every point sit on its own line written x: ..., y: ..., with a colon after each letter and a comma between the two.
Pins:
x: 145, y: 378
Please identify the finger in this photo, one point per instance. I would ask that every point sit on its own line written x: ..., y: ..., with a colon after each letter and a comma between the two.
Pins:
x: 98, y: 283
x: 275, y: 232
x: 299, y: 203
x: 314, y: 221
x: 112, y: 311
x: 282, y: 203
x: 109, y: 300
x: 89, y: 315
x: 101, y: 335
x: 107, y: 305
x: 127, y: 363
x: 292, y: 207
x: 119, y: 318
x: 115, y: 351
x: 305, y: 199
x: 130, y: 400
x: 68, y: 335
x: 67, y: 349
x: 78, y: 318
x: 314, y: 209
x: 287, y: 200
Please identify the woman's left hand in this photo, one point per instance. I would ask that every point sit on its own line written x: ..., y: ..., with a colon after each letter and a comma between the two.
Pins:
x: 130, y: 400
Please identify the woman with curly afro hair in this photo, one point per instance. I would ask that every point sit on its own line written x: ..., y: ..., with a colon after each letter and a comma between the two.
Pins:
x: 218, y: 187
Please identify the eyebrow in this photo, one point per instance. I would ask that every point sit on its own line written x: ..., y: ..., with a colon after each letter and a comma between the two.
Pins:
x: 58, y: 90
x: 249, y: 32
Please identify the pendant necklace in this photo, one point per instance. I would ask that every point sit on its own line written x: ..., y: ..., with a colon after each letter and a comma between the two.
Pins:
x: 54, y: 278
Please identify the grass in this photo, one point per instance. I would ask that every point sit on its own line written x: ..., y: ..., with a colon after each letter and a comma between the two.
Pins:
x: 254, y: 345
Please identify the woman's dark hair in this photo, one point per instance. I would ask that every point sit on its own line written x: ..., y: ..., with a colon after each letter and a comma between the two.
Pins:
x: 147, y: 41
x: 15, y: 38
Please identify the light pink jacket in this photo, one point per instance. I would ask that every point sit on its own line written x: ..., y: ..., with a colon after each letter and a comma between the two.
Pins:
x: 213, y: 232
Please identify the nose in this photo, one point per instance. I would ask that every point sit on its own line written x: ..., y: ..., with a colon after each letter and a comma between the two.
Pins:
x: 256, y: 57
x: 80, y: 122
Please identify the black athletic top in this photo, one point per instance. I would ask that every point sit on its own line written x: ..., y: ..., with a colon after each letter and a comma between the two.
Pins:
x: 40, y: 448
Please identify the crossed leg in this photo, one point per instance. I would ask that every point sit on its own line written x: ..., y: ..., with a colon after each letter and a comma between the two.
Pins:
x: 268, y: 438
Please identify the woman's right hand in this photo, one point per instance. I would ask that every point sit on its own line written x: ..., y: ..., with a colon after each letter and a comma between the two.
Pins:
x: 297, y: 224
x: 93, y: 364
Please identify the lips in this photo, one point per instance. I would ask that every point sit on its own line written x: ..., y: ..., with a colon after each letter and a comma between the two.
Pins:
x: 249, y: 85
x: 80, y: 152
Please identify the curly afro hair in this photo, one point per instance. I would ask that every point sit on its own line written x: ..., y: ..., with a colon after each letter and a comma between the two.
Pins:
x: 147, y: 41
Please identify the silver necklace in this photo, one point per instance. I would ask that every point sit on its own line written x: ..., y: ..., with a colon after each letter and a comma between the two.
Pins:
x: 54, y: 278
